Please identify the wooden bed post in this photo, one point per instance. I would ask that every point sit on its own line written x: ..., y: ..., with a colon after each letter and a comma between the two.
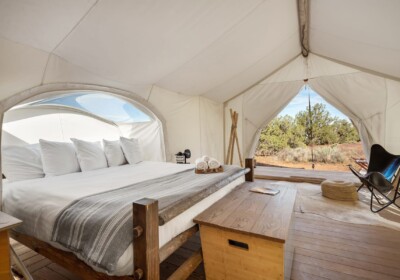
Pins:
x: 249, y: 163
x: 145, y: 244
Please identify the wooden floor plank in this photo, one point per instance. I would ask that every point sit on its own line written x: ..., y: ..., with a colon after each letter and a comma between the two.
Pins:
x: 351, y: 252
x: 46, y: 274
x: 337, y: 226
x: 371, y: 248
x: 34, y: 259
x: 319, y: 218
x: 368, y: 238
x: 348, y: 261
x: 338, y: 267
x: 346, y: 248
x: 20, y: 249
x: 27, y: 255
x: 63, y: 272
x: 39, y: 265
x: 322, y: 273
x: 301, y: 275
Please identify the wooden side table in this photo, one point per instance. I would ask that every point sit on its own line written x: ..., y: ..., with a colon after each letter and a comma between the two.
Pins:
x: 247, y: 235
x: 7, y: 222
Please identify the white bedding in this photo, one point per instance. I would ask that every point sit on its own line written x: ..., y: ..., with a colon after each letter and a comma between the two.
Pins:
x: 42, y: 199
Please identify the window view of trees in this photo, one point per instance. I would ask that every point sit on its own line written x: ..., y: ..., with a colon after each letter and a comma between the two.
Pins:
x: 289, y: 139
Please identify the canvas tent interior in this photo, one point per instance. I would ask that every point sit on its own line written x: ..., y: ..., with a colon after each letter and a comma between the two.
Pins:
x: 185, y: 64
x: 188, y: 62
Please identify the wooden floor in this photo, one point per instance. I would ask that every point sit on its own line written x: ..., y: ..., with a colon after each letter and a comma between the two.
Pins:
x: 324, y: 249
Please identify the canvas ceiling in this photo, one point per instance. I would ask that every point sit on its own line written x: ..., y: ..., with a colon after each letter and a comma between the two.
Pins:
x: 210, y: 48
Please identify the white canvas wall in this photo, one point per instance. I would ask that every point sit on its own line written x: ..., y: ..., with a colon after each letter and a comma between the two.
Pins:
x: 211, y: 128
x: 392, y: 127
x: 29, y: 125
x: 150, y: 137
x: 192, y: 122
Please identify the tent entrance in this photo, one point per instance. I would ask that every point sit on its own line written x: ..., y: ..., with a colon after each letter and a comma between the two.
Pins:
x: 309, y: 134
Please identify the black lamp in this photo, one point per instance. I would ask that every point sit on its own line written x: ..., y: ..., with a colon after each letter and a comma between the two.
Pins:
x: 181, y: 157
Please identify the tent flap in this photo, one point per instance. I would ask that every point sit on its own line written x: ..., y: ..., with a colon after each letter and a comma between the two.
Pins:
x: 370, y: 101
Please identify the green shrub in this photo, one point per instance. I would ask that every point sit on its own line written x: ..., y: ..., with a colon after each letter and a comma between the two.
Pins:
x: 328, y: 154
x: 322, y: 154
x: 286, y: 132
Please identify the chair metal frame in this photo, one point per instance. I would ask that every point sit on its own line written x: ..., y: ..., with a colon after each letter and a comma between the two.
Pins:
x: 379, y: 160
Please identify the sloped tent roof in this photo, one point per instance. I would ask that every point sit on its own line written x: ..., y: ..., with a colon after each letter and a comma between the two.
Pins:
x: 212, y: 49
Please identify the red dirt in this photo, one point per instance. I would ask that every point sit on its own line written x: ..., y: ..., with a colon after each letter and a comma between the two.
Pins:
x: 349, y: 150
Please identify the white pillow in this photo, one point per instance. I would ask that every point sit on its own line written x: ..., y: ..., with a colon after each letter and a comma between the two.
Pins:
x: 22, y: 162
x: 114, y: 154
x: 58, y: 158
x: 90, y: 155
x: 131, y: 149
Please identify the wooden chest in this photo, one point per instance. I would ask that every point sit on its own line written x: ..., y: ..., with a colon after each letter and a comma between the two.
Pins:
x: 6, y: 223
x: 247, y: 235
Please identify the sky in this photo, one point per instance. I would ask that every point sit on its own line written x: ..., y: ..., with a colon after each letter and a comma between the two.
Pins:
x: 111, y: 108
x: 300, y: 102
x: 103, y: 105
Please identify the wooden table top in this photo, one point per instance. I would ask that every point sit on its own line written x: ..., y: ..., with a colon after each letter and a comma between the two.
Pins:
x: 261, y: 215
x: 7, y: 221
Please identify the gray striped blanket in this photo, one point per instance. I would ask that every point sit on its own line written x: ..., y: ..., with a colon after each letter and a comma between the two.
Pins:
x: 98, y: 228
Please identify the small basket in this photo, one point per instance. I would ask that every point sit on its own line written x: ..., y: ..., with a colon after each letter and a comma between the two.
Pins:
x: 339, y: 190
x: 209, y: 170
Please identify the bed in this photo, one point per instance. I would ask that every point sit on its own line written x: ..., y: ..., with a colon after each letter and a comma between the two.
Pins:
x: 162, y: 219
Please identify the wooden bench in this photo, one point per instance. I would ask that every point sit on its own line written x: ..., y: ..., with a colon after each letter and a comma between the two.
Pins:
x: 247, y: 235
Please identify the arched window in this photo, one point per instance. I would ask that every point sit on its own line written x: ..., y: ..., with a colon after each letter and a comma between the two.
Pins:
x: 102, y: 105
x: 87, y: 115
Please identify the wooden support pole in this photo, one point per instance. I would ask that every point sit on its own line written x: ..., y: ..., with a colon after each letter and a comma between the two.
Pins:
x: 237, y: 141
x: 230, y: 140
x: 234, y: 118
x: 230, y: 146
x: 145, y: 243
x: 184, y: 271
x: 249, y: 162
x: 233, y: 139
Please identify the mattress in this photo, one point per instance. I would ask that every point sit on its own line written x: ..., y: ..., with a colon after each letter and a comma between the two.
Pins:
x: 38, y: 201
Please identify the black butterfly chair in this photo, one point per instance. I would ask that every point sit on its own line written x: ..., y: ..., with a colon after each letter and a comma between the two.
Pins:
x: 382, y: 177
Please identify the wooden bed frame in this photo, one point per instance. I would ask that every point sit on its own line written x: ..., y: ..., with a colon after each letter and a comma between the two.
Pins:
x: 146, y: 251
